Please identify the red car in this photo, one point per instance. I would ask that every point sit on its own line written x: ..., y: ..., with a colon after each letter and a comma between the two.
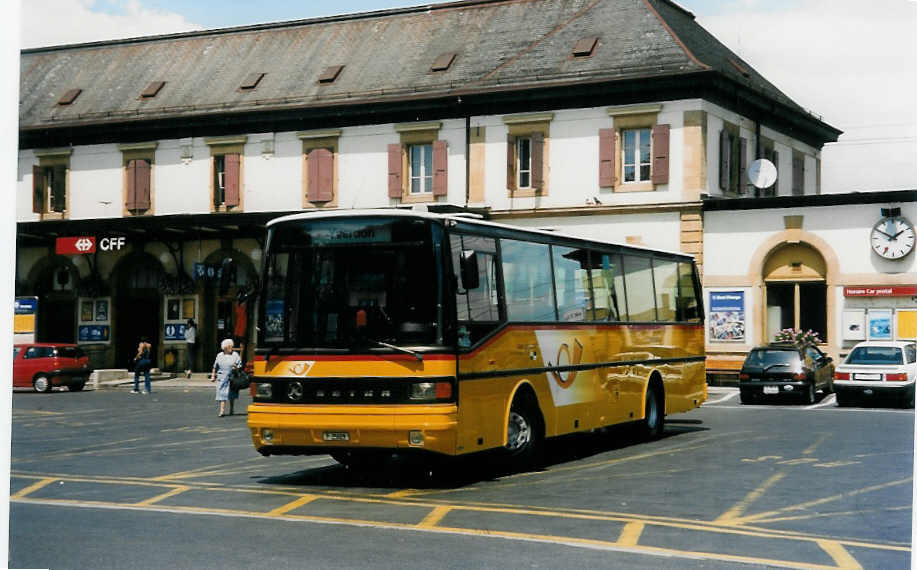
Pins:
x: 44, y: 365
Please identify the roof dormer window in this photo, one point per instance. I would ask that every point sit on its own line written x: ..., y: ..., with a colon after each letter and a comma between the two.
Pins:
x: 330, y: 74
x: 251, y: 81
x: 443, y: 62
x: 69, y: 97
x: 152, y: 89
x: 585, y: 47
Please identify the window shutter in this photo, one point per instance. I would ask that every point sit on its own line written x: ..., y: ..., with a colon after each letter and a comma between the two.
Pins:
x: 743, y: 149
x: 660, y: 166
x: 320, y: 171
x: 440, y: 164
x: 724, y: 160
x: 231, y: 179
x: 798, y: 176
x: 538, y: 161
x: 59, y: 190
x: 606, y: 158
x: 142, y: 185
x: 511, y: 162
x: 395, y: 174
x: 130, y: 201
x: 38, y: 189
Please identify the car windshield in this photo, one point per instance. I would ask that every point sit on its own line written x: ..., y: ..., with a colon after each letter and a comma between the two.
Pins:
x: 346, y: 283
x: 772, y: 357
x: 69, y: 352
x: 876, y: 355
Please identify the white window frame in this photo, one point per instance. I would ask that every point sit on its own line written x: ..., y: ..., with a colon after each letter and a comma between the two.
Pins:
x: 418, y: 172
x: 523, y: 167
x: 636, y: 160
x: 219, y: 175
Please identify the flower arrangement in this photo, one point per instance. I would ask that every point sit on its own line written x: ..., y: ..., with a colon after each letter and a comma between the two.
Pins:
x: 798, y: 336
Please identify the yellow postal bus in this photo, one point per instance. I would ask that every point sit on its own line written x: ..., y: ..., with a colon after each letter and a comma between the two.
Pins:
x: 386, y: 331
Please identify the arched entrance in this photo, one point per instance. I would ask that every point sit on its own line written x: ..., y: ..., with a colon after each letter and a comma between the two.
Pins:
x: 56, y: 290
x: 137, y: 313
x: 228, y: 310
x: 795, y: 292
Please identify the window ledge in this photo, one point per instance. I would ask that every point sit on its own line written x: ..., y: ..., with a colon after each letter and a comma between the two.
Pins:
x: 635, y: 187
x: 418, y: 198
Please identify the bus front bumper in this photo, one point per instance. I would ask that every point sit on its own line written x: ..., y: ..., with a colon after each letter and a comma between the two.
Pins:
x: 281, y: 429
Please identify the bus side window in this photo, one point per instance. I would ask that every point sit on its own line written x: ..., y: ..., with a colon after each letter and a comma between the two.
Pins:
x: 638, y: 279
x: 687, y: 303
x: 528, y: 282
x: 571, y: 278
x: 665, y: 277
x: 608, y: 287
x: 477, y: 308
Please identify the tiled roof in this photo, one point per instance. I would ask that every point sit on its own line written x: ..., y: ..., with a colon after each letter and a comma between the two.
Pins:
x: 499, y: 45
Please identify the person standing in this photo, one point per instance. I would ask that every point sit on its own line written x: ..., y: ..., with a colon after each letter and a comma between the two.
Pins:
x: 225, y: 361
x: 190, y: 340
x: 142, y: 363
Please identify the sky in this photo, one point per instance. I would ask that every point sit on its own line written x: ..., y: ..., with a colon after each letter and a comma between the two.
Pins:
x: 851, y: 62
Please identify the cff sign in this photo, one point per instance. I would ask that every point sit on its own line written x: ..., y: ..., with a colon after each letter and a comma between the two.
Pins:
x: 75, y: 245
x: 87, y: 244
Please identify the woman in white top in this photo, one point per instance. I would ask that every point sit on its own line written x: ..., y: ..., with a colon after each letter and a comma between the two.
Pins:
x: 222, y: 366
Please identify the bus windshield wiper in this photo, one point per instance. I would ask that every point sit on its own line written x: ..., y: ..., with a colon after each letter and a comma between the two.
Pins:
x: 413, y: 353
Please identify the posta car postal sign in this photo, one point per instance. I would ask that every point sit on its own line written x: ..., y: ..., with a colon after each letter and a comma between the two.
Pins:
x: 78, y: 245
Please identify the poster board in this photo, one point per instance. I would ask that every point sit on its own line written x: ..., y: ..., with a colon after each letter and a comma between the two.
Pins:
x: 727, y: 316
x: 880, y: 324
x: 906, y: 328
x: 854, y: 324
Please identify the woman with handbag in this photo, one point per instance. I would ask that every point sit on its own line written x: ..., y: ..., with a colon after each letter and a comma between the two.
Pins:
x: 143, y: 361
x: 223, y: 366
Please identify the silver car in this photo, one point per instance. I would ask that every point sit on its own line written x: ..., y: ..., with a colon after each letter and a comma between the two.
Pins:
x: 877, y: 368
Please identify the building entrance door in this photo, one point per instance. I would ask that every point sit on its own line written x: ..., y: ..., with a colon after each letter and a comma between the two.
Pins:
x: 795, y: 291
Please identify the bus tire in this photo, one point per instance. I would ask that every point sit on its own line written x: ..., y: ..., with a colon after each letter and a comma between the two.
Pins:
x: 523, y: 433
x: 653, y: 412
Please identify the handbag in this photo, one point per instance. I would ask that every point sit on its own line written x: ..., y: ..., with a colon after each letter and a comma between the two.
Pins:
x: 239, y: 380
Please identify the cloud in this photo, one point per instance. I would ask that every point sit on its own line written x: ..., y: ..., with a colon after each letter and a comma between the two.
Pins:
x: 77, y: 21
x: 850, y: 61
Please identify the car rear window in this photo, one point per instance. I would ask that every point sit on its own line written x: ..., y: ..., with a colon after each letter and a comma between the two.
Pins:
x: 766, y: 357
x: 876, y: 355
x: 69, y: 352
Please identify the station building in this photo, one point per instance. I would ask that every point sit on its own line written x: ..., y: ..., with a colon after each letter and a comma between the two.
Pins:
x: 622, y: 120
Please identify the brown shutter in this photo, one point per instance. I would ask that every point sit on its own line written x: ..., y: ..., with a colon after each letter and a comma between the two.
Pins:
x: 395, y: 174
x: 59, y: 188
x: 130, y: 201
x: 320, y: 166
x: 231, y: 179
x: 511, y: 162
x: 142, y: 185
x: 660, y: 166
x: 724, y: 160
x: 38, y: 189
x: 606, y: 158
x: 440, y: 164
x: 538, y: 161
x: 743, y: 149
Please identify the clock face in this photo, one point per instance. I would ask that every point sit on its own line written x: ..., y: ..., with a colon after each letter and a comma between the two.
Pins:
x: 892, y: 238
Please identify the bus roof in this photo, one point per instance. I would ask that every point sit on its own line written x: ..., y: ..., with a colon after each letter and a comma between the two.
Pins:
x: 470, y: 219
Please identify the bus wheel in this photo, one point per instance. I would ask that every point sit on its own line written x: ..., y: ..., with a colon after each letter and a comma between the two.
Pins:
x: 654, y: 415
x: 523, y: 437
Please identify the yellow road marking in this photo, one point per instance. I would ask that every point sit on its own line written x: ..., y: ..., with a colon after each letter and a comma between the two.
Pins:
x: 293, y: 505
x: 87, y: 449
x: 840, y: 555
x: 833, y: 514
x: 807, y: 504
x: 403, y: 493
x: 815, y: 444
x: 33, y: 487
x: 434, y: 517
x: 735, y: 512
x: 165, y: 495
x: 630, y: 534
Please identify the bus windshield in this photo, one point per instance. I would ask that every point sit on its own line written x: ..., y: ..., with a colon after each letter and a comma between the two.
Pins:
x: 350, y: 284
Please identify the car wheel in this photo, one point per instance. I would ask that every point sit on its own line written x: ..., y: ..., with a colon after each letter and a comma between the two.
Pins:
x: 41, y: 383
x: 808, y: 397
x: 78, y: 387
x: 523, y: 435
x: 747, y: 396
x: 653, y: 414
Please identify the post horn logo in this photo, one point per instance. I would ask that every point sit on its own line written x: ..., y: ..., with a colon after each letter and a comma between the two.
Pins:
x: 565, y: 379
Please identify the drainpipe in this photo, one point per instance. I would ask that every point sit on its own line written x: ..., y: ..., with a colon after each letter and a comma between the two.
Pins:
x: 467, y: 157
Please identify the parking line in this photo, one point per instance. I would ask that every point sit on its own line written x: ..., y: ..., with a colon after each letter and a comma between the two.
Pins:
x: 828, y: 400
x: 734, y: 513
x: 630, y: 534
x: 434, y: 517
x: 728, y: 396
x: 33, y: 487
x: 166, y: 495
x: 292, y: 505
x: 840, y: 555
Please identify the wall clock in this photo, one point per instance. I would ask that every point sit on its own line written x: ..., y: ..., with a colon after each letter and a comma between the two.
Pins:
x: 892, y: 237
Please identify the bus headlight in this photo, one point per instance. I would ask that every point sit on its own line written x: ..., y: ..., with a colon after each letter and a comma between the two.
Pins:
x: 264, y: 390
x: 430, y: 391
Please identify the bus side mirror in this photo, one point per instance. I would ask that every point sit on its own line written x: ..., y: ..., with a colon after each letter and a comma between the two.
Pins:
x: 469, y: 270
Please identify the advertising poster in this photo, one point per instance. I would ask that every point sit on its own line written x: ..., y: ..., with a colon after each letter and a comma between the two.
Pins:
x: 880, y: 324
x: 94, y: 333
x: 854, y: 324
x: 174, y: 331
x: 24, y: 310
x: 102, y: 309
x: 727, y: 315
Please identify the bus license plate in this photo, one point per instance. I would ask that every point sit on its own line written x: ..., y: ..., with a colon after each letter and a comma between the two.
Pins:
x: 771, y: 389
x: 336, y: 436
